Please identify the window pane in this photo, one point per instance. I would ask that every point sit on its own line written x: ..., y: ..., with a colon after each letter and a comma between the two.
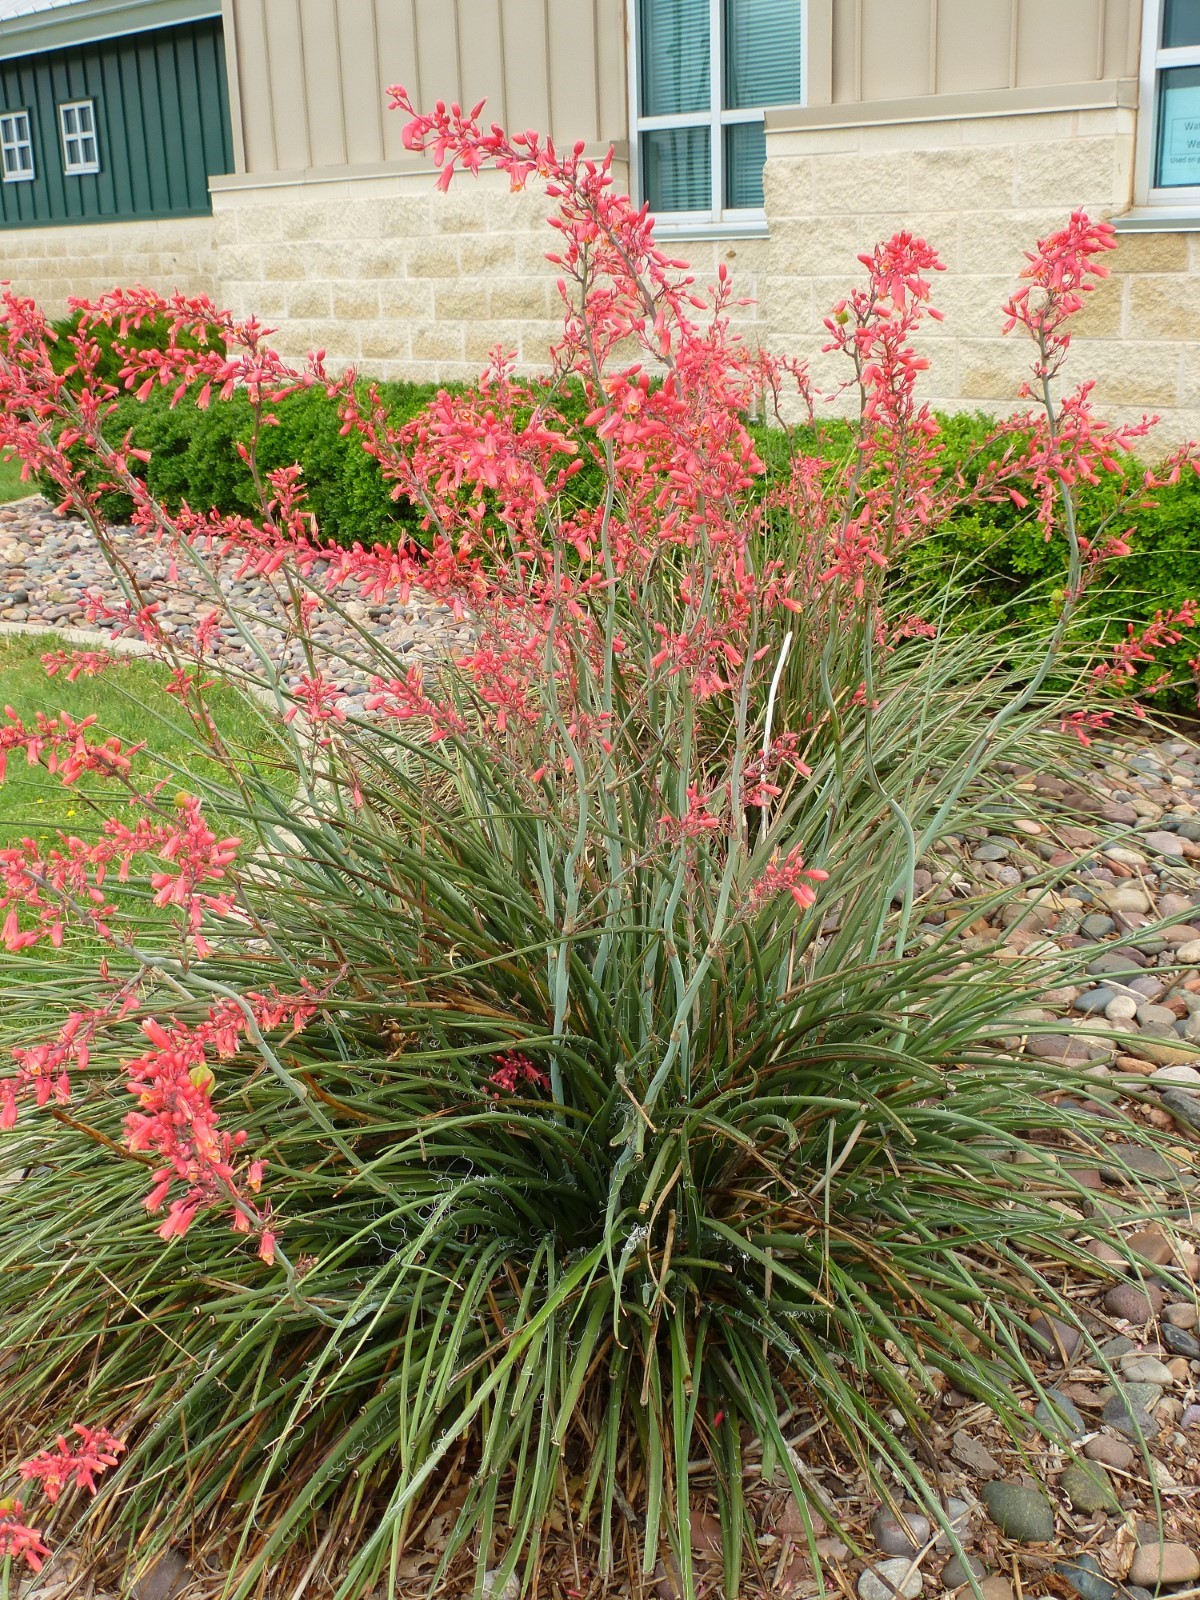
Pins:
x: 87, y: 123
x: 1178, y: 154
x: 69, y: 119
x: 675, y: 60
x: 1181, y: 23
x: 677, y: 169
x: 745, y: 153
x: 762, y: 53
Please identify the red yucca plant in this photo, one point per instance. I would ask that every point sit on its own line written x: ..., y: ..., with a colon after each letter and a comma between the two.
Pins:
x: 554, y: 1029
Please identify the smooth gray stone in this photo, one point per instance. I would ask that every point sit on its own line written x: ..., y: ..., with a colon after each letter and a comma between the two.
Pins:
x: 1023, y: 1514
x: 1085, y: 1577
x: 1059, y: 1416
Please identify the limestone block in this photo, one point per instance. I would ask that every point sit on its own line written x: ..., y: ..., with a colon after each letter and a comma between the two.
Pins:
x: 1128, y: 373
x: 508, y: 253
x: 536, y: 340
x: 465, y: 299
x: 458, y: 211
x: 1151, y: 252
x: 1163, y: 308
x: 403, y: 217
x: 971, y: 303
x: 481, y: 338
x: 978, y: 178
x: 992, y: 371
x: 271, y: 300
x: 427, y: 258
x: 444, y: 372
x: 281, y: 266
x: 788, y: 185
x: 375, y: 260
x: 307, y: 300
x: 1068, y: 174
x: 1102, y: 316
x: 862, y: 184
x: 241, y: 261
x: 355, y: 302
x: 505, y: 212
x: 340, y: 221
x: 383, y: 342
x: 521, y: 298
x: 437, y: 341
x: 997, y: 241
x: 405, y: 297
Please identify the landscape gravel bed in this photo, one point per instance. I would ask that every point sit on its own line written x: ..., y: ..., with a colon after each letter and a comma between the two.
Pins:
x: 1109, y: 1504
x: 51, y: 569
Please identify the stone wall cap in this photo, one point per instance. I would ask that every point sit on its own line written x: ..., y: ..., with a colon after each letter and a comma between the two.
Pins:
x: 1106, y: 95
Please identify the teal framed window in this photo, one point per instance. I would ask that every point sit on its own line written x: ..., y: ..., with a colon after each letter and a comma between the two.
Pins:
x: 702, y: 74
x: 16, y: 147
x: 1168, y: 153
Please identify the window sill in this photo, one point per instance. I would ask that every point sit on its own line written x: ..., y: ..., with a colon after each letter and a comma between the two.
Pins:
x: 668, y: 232
x: 1158, y: 219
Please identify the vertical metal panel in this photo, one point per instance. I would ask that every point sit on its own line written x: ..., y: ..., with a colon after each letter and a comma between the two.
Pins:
x: 256, y: 86
x: 846, y: 74
x: 1057, y: 43
x: 895, y: 49
x: 526, y: 88
x: 818, y: 45
x: 362, y: 90
x: 437, y: 50
x: 285, y: 56
x: 481, y: 56
x: 612, y: 84
x: 973, y: 45
x: 162, y: 126
x: 574, y: 112
x: 396, y: 33
x: 1122, y: 34
x: 313, y: 74
x: 182, y: 137
x: 322, y: 83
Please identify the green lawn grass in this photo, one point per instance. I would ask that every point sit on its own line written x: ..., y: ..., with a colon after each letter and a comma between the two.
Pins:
x: 11, y: 487
x: 127, y: 700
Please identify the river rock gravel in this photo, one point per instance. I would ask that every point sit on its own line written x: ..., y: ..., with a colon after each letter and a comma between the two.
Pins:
x: 1125, y: 847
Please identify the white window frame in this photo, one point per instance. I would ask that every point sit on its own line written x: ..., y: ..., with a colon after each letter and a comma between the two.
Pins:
x: 720, y: 221
x: 13, y: 139
x: 81, y: 166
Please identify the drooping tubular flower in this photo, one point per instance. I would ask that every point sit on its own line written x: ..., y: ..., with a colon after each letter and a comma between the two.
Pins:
x: 74, y: 1465
x: 18, y: 1540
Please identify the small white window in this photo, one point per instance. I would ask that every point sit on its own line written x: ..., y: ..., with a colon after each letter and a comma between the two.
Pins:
x: 81, y: 153
x: 16, y: 147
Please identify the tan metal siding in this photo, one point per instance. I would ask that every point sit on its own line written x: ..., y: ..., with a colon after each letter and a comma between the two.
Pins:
x: 903, y: 49
x: 288, y: 100
x: 895, y: 56
x: 313, y: 74
x: 361, y: 59
x: 974, y: 45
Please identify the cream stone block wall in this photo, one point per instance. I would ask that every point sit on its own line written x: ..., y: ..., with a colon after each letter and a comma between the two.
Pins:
x: 982, y: 190
x: 86, y: 260
x: 386, y: 274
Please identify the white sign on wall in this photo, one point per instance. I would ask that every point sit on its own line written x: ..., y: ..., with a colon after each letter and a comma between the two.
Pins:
x: 1179, y: 144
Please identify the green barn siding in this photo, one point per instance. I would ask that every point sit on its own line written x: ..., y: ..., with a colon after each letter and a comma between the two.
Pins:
x: 162, y: 123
